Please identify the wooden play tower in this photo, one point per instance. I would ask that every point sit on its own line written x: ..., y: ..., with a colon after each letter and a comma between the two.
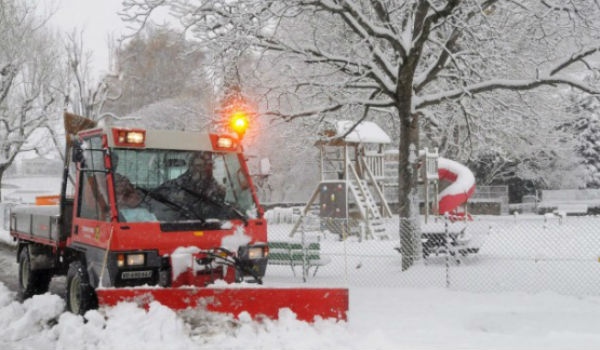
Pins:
x: 351, y: 170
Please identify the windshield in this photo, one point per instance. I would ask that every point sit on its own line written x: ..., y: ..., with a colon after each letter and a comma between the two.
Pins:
x: 171, y: 186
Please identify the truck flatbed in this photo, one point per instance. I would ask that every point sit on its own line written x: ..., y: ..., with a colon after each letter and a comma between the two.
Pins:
x: 37, y: 222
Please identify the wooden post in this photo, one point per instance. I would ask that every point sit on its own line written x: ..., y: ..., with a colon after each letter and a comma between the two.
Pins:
x: 321, y: 162
x: 346, y: 214
x: 436, y: 209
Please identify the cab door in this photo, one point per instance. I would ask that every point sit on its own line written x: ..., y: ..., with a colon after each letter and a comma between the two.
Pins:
x: 92, y: 212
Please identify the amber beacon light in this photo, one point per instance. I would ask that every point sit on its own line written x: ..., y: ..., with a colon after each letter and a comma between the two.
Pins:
x: 239, y: 123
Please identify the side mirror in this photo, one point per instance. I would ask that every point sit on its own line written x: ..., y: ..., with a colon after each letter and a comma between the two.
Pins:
x: 76, y: 152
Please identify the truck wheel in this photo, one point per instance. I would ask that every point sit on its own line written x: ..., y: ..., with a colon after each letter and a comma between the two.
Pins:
x: 31, y: 282
x: 81, y: 297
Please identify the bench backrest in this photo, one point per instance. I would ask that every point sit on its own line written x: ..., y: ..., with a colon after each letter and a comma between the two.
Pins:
x: 293, y: 250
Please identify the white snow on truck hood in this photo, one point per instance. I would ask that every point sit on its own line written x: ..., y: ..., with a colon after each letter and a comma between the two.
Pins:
x: 236, y: 239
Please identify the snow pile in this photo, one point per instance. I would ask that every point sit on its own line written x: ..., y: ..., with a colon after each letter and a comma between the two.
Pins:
x: 124, y: 326
x: 380, y: 318
x: 28, y: 322
x: 40, y: 322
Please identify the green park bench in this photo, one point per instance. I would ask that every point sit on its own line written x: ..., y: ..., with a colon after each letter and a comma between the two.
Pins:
x: 293, y: 254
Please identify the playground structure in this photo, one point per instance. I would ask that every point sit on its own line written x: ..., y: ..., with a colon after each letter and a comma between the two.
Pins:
x: 352, y: 174
x: 351, y: 166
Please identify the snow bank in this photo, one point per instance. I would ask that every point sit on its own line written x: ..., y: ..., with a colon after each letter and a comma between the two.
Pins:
x: 380, y: 318
x: 124, y: 326
x: 28, y: 323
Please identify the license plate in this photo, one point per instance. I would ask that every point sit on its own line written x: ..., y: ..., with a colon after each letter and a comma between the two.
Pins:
x: 128, y: 275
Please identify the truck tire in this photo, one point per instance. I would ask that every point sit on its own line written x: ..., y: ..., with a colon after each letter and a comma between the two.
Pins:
x: 31, y: 282
x: 81, y: 297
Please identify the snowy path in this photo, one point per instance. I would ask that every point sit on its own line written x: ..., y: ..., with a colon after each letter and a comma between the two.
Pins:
x: 380, y: 318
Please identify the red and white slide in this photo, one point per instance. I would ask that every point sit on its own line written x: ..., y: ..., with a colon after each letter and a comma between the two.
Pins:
x: 461, y: 188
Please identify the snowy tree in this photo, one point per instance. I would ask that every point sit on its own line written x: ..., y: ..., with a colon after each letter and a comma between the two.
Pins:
x: 155, y: 64
x: 178, y: 113
x: 586, y: 128
x: 411, y: 57
x: 85, y: 94
x: 518, y: 142
x: 28, y: 97
x: 79, y: 90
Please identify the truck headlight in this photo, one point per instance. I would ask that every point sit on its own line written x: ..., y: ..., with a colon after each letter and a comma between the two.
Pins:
x: 135, y: 259
x: 253, y: 252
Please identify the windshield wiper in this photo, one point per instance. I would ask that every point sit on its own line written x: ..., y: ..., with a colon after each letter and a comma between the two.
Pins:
x: 220, y: 204
x: 171, y: 204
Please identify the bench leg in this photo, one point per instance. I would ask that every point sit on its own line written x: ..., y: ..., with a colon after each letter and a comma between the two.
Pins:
x: 316, y: 269
x: 293, y: 270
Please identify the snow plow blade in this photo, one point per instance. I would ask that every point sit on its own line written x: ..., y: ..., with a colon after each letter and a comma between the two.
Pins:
x: 306, y: 303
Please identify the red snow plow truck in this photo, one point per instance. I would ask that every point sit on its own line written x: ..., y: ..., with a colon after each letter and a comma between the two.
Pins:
x: 165, y: 216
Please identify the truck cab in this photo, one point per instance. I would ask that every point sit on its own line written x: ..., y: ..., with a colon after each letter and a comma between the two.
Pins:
x: 147, y: 207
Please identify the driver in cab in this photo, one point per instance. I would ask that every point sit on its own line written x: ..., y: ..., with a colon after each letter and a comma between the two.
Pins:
x: 196, y: 188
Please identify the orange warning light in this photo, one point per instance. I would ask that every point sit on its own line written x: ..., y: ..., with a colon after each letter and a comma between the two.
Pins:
x: 239, y: 123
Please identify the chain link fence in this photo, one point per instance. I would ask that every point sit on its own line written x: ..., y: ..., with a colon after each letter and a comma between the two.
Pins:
x: 488, y: 254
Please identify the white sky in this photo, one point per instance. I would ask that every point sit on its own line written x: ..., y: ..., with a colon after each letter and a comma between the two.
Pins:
x: 98, y: 18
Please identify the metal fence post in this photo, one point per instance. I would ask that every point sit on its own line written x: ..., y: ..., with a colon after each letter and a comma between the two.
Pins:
x: 304, y: 252
x: 447, y: 235
x: 345, y: 252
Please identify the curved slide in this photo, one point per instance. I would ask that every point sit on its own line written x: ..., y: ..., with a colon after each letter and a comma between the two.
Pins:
x: 461, y: 188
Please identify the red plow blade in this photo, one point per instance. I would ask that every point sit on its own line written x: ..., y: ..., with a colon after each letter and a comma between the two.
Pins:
x: 306, y: 303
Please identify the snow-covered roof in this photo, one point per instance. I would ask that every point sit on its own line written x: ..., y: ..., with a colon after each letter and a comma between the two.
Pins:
x: 365, y: 132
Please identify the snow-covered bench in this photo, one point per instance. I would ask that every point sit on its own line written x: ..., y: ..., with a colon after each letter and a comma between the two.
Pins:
x: 293, y: 254
x: 578, y: 209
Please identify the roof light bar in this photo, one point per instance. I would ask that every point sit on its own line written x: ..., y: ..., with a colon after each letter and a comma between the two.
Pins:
x: 224, y: 143
x: 129, y: 138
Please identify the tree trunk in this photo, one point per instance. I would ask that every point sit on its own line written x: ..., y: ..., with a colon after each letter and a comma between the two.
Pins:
x: 407, y: 182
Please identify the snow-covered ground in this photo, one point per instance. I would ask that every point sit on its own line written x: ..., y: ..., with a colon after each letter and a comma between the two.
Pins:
x: 522, y: 254
x: 414, y: 310
x: 534, y: 283
x: 379, y: 318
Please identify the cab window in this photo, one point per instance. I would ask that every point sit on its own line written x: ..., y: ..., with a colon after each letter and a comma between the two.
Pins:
x: 93, y: 197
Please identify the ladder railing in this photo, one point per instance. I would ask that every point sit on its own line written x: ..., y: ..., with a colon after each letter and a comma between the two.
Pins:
x: 386, y: 211
x: 370, y: 208
x: 376, y: 163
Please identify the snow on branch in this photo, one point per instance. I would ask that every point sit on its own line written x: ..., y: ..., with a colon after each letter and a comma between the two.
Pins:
x: 351, y: 11
x: 315, y: 55
x: 139, y: 12
x: 574, y: 58
x: 500, y: 84
x: 331, y: 108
